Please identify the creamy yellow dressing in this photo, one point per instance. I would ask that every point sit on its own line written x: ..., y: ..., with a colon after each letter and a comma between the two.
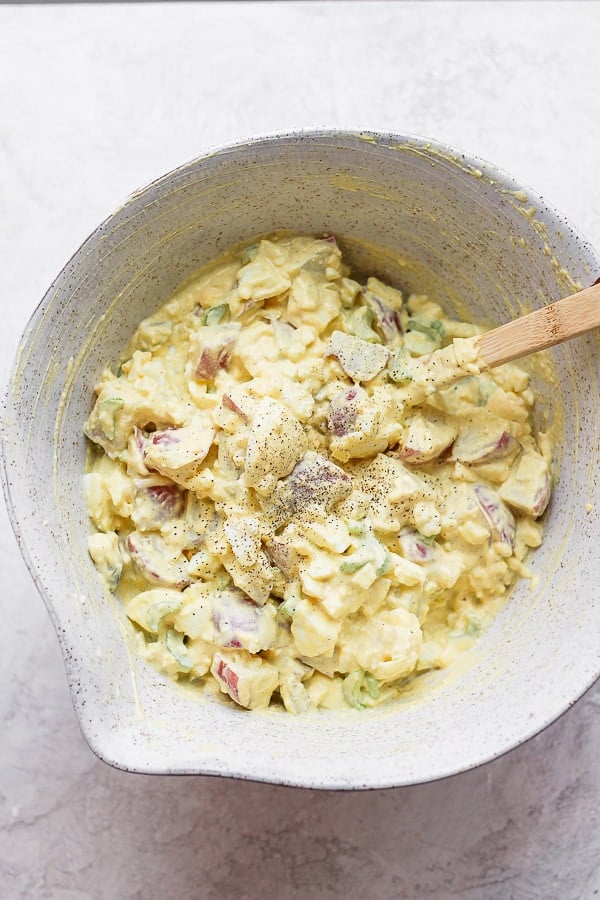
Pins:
x: 293, y: 500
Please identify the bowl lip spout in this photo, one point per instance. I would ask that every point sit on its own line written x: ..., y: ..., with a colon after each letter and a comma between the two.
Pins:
x: 105, y: 746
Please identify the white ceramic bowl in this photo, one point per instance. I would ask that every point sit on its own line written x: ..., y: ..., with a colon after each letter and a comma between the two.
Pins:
x: 450, y: 225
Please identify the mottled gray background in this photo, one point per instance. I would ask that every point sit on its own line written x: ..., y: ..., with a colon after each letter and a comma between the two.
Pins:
x: 98, y: 100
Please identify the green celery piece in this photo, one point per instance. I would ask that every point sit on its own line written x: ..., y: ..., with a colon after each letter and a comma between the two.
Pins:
x: 176, y: 647
x: 385, y: 566
x: 397, y: 368
x: 351, y: 689
x: 107, y: 412
x: 360, y: 688
x: 372, y: 685
x: 248, y: 254
x: 116, y: 368
x: 350, y: 566
x: 430, y: 330
x: 486, y: 387
x: 222, y: 580
x: 473, y: 625
x: 359, y: 321
x: 217, y: 314
x: 287, y: 608
x: 151, y: 617
x: 355, y: 528
x: 153, y: 334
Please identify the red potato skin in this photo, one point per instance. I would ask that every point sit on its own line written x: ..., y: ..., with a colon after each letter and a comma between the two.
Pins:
x: 543, y: 498
x: 497, y: 515
x: 165, y: 438
x: 153, y: 577
x: 228, y: 403
x: 281, y: 556
x: 342, y: 415
x: 412, y: 455
x: 505, y: 445
x: 318, y: 481
x: 238, y: 608
x: 169, y: 499
x: 409, y: 454
x: 414, y: 549
x: 388, y: 320
x: 229, y: 678
x: 211, y: 360
x: 421, y: 551
x: 139, y: 560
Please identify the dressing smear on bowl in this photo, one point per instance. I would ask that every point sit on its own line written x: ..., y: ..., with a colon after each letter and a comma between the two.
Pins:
x: 281, y: 508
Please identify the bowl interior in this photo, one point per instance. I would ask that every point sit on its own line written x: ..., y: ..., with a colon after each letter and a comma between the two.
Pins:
x: 428, y: 220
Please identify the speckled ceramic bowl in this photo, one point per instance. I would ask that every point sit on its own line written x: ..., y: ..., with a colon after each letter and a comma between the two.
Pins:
x: 429, y: 219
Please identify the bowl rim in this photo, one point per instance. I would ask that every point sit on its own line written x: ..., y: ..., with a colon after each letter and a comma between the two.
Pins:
x: 506, y: 181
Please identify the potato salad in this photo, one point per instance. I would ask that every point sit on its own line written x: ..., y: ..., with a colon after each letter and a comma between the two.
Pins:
x: 290, y: 509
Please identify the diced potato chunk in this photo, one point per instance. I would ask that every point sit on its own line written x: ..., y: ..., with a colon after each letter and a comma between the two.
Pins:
x: 248, y: 680
x: 179, y: 452
x: 387, y: 319
x: 261, y: 279
x: 528, y: 486
x: 427, y: 437
x: 241, y: 623
x: 392, y: 490
x: 315, y: 633
x: 359, y: 359
x: 294, y: 695
x: 311, y: 303
x: 119, y: 408
x: 210, y: 349
x: 497, y: 515
x: 243, y: 534
x: 156, y: 561
x: 257, y: 581
x: 195, y: 616
x: 387, y: 645
x: 362, y: 425
x: 315, y: 481
x: 157, y: 502
x: 484, y: 441
x: 104, y: 550
x: 275, y: 444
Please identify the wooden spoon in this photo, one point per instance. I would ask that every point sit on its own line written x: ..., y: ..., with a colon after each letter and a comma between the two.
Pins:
x: 541, y: 328
x: 538, y: 330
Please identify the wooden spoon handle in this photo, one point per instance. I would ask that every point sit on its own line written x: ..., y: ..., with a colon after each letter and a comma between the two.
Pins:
x: 542, y: 328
